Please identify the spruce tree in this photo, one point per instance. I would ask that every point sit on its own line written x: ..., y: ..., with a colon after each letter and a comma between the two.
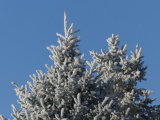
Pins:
x: 70, y: 91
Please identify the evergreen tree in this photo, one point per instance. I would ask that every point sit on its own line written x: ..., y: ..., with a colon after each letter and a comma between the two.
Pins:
x: 70, y: 91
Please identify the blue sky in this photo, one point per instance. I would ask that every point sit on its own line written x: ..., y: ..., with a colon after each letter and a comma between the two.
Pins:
x: 27, y: 27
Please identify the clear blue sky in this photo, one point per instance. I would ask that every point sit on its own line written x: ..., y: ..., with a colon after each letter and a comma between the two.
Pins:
x: 28, y: 26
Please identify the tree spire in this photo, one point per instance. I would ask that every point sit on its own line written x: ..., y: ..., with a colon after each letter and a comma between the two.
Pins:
x: 65, y: 23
